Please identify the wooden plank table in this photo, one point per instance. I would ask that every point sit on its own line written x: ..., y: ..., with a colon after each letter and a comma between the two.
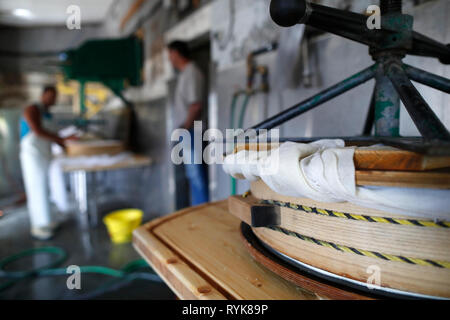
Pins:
x: 134, y: 161
x: 200, y: 254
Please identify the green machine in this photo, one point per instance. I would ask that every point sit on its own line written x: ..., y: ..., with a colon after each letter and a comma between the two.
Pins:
x: 116, y: 63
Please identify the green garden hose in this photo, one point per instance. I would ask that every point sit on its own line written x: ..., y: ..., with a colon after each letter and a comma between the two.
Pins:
x: 232, y: 116
x: 240, y: 123
x: 244, y: 110
x: 125, y: 275
x: 60, y: 253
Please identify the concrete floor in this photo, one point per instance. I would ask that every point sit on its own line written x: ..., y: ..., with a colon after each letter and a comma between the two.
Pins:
x: 84, y: 248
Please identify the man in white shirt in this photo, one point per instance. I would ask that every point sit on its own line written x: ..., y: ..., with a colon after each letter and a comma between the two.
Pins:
x: 188, y: 108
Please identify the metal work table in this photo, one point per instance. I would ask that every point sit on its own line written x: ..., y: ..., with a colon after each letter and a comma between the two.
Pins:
x: 83, y: 183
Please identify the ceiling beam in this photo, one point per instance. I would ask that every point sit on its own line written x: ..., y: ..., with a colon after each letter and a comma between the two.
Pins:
x: 131, y: 12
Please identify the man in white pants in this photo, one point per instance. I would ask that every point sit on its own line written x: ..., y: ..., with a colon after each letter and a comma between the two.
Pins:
x: 35, y: 158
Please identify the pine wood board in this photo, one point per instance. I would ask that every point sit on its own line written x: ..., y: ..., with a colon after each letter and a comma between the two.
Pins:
x: 378, y: 158
x: 181, y: 277
x: 94, y: 147
x: 404, y: 179
x: 199, y: 254
x: 392, y: 159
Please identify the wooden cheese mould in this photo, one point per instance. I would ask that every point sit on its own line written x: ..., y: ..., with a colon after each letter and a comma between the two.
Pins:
x: 412, y: 255
x: 203, y: 252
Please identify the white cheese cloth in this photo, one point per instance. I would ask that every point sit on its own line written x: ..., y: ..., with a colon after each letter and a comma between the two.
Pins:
x: 324, y: 171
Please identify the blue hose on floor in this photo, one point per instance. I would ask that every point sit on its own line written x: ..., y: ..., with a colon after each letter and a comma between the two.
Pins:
x: 122, y: 277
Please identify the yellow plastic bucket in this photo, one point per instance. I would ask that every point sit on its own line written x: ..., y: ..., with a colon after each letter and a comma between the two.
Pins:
x: 121, y: 223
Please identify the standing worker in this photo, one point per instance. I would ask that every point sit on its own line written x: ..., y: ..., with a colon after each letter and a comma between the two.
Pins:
x: 35, y: 158
x: 188, y: 108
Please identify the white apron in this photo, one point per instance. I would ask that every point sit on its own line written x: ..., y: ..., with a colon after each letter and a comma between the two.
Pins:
x: 35, y: 158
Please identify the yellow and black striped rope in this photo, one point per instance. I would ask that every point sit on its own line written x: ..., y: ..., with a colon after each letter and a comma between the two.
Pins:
x: 366, y: 253
x: 351, y: 216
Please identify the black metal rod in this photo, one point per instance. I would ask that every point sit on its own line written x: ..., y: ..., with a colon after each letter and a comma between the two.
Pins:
x: 346, y: 29
x: 318, y: 99
x: 427, y: 78
x: 350, y: 25
x: 353, y: 26
x: 427, y: 47
x: 391, y: 6
x: 348, y: 17
x: 288, y: 13
x: 272, y: 47
x: 370, y: 120
x: 423, y: 116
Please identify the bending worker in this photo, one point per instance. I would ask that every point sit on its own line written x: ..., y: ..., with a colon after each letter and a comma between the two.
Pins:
x: 188, y: 108
x: 35, y: 158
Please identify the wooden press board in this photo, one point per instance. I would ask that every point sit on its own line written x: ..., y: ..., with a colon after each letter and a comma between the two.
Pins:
x: 378, y: 158
x: 200, y: 255
x: 390, y: 167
